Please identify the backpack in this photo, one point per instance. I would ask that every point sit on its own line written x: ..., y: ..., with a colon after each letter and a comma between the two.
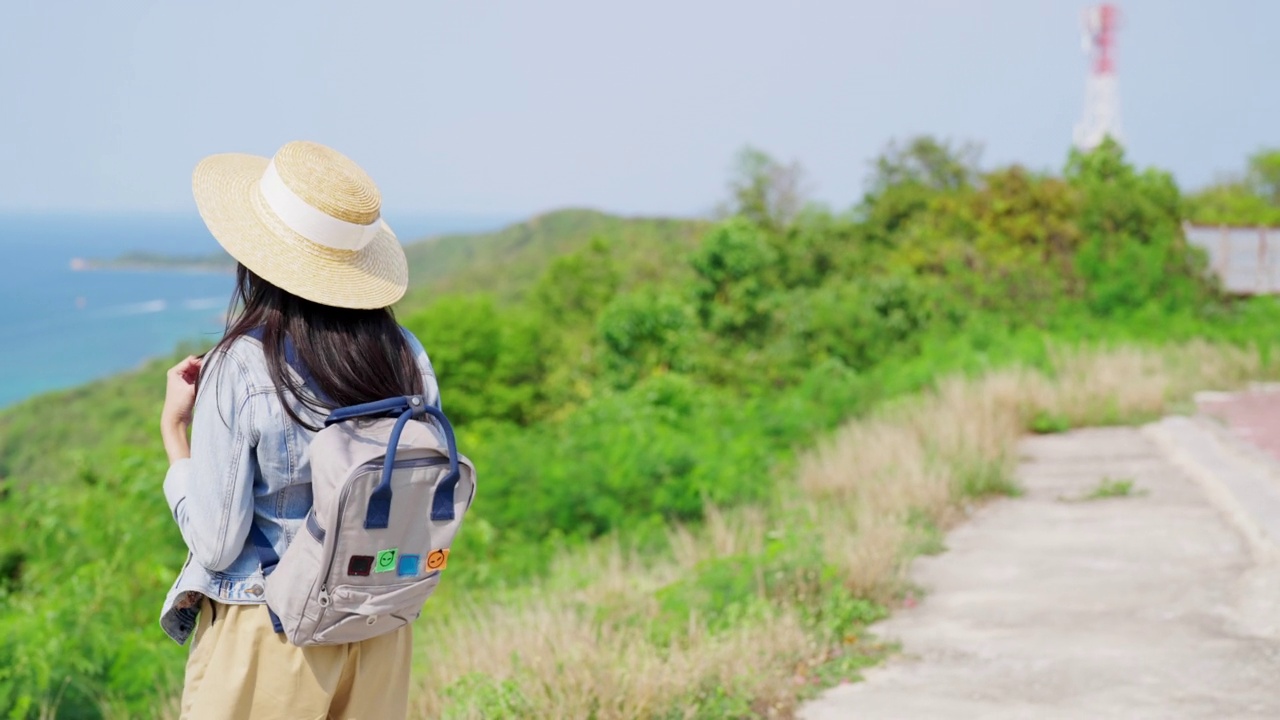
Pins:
x: 389, y: 493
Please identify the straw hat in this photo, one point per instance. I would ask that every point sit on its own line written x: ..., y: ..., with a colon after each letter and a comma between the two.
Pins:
x: 307, y: 220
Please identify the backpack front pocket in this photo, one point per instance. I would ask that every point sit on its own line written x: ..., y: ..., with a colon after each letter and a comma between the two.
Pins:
x: 359, y: 612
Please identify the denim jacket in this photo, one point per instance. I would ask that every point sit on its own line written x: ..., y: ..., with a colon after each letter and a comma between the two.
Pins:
x: 248, y: 465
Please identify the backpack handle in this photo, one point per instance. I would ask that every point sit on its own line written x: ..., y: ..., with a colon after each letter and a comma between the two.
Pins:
x: 404, y: 408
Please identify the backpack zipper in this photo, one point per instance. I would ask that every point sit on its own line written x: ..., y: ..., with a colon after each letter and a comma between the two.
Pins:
x: 342, y: 504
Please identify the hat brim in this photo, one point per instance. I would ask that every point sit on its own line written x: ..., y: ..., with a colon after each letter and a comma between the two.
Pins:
x: 226, y: 192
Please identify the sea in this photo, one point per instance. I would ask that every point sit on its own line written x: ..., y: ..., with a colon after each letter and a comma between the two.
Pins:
x: 61, y: 327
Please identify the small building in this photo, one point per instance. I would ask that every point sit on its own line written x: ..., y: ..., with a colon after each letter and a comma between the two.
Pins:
x: 1245, y: 259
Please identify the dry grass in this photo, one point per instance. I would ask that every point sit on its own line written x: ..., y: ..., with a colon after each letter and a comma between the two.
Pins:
x: 598, y: 648
x: 563, y: 664
x: 590, y: 652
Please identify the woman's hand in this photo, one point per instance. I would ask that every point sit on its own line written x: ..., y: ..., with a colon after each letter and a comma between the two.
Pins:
x: 179, y: 401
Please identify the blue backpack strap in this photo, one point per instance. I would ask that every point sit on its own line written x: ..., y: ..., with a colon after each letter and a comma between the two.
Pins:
x: 404, y: 409
x: 442, y: 503
x: 268, y: 558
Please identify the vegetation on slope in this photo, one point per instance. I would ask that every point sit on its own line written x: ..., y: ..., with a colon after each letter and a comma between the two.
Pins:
x: 614, y: 379
x: 216, y: 262
x: 1249, y: 198
x: 764, y: 604
x: 508, y: 262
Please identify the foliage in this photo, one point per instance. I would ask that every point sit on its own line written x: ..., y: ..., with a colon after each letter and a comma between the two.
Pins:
x: 1134, y: 253
x: 657, y: 451
x: 1263, y: 176
x: 100, y: 417
x: 925, y: 162
x: 577, y: 285
x: 613, y: 376
x: 478, y: 695
x: 858, y: 323
x: 509, y: 262
x: 764, y: 191
x: 1250, y: 199
x: 905, y: 180
x: 496, y: 359
x: 643, y: 333
x: 90, y: 559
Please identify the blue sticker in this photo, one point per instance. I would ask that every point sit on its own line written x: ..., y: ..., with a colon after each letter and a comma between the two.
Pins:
x: 408, y: 566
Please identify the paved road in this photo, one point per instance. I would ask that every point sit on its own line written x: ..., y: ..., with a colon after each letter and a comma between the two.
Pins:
x: 1161, y: 605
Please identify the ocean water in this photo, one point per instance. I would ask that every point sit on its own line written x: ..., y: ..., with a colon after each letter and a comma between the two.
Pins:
x: 60, y: 328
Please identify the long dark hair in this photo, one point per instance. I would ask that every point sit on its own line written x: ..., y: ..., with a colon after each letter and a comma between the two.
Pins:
x: 347, y: 356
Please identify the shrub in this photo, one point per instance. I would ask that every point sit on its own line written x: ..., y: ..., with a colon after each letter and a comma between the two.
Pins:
x: 732, y: 292
x: 642, y: 333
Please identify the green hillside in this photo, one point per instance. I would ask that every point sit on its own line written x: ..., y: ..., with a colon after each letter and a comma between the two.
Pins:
x: 116, y: 412
x: 639, y: 396
x: 509, y: 261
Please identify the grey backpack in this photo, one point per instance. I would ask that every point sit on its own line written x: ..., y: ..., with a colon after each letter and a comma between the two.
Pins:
x: 389, y: 491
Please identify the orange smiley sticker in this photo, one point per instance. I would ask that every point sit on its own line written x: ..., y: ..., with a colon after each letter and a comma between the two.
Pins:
x: 437, y: 559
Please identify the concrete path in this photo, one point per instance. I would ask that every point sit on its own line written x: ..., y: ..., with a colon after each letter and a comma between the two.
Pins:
x: 1164, y: 604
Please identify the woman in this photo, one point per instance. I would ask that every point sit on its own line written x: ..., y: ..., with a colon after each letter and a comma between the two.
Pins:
x: 311, y: 330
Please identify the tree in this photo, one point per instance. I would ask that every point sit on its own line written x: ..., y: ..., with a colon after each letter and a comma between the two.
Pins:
x: 1134, y: 253
x: 1264, y: 176
x: 925, y: 161
x: 733, y: 285
x: 644, y: 332
x: 492, y: 360
x: 1249, y: 199
x: 765, y: 191
x: 576, y: 286
x: 905, y: 179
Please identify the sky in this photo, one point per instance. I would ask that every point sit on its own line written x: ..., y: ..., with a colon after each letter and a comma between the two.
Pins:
x: 512, y: 108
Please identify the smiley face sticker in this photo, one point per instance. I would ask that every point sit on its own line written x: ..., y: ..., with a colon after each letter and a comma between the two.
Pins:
x: 386, y: 561
x: 438, y: 559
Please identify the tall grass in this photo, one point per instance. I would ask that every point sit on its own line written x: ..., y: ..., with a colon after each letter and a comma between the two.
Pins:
x: 759, y: 607
x: 768, y: 598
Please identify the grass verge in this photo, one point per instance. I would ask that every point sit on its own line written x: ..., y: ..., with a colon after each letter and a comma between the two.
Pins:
x: 749, y: 613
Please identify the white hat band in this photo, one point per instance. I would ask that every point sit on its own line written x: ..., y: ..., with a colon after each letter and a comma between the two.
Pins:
x: 310, y: 222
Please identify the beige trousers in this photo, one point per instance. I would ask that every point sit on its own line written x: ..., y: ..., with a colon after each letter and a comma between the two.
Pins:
x: 239, y: 668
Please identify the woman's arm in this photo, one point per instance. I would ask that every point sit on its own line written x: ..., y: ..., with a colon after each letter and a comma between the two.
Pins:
x: 209, y: 485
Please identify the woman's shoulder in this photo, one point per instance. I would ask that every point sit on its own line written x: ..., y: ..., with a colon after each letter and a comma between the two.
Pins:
x: 416, y: 347
x: 246, y: 350
x: 413, y: 340
x: 242, y: 357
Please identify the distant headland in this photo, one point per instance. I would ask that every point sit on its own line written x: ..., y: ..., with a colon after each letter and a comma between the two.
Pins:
x: 144, y: 261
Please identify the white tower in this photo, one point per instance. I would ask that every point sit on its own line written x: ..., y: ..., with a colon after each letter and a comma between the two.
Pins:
x: 1101, y: 92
